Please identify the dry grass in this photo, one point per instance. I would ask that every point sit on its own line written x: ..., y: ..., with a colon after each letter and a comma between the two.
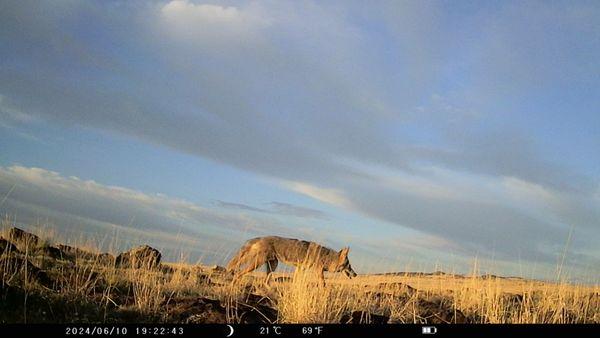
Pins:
x: 495, y: 300
x: 101, y: 292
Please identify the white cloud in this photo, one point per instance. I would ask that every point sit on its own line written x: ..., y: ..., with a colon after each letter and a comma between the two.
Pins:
x: 329, y: 196
x: 524, y: 191
x: 183, y: 10
x: 276, y: 208
x: 208, y: 23
x: 425, y: 187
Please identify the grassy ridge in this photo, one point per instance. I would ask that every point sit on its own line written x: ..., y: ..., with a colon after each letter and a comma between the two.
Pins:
x: 45, y: 282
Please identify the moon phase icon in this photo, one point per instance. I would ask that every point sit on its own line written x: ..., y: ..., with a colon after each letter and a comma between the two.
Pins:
x: 230, y: 331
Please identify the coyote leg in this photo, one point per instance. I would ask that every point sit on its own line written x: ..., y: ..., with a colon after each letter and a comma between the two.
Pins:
x: 321, y: 277
x: 271, y: 266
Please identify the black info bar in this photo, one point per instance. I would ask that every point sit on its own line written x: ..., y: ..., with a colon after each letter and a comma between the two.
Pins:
x: 297, y: 330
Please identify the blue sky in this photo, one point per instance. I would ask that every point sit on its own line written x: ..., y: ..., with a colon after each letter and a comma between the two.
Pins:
x: 422, y: 134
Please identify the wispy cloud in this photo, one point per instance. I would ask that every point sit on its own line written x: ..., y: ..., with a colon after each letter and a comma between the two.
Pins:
x: 238, y: 206
x: 211, y: 24
x: 294, y: 210
x: 327, y: 195
x: 279, y: 208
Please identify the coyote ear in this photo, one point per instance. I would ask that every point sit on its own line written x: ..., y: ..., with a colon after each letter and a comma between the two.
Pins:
x: 344, y: 254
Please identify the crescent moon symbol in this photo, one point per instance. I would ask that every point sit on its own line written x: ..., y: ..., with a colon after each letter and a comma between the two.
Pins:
x: 230, y: 331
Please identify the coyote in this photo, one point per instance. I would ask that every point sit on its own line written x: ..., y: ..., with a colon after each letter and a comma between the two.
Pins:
x: 302, y: 254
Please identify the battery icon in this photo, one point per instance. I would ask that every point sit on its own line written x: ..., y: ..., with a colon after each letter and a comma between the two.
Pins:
x: 428, y: 330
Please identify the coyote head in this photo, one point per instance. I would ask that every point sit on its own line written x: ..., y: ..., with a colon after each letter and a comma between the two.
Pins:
x: 343, y: 264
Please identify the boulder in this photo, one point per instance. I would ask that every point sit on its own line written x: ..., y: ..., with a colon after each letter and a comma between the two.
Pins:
x: 252, y: 309
x: 439, y: 311
x: 7, y: 246
x: 50, y: 251
x: 106, y: 258
x: 217, y: 269
x: 256, y: 309
x: 167, y: 269
x: 22, y: 238
x: 380, y: 297
x: 74, y: 252
x: 16, y: 265
x: 140, y: 257
x: 192, y: 310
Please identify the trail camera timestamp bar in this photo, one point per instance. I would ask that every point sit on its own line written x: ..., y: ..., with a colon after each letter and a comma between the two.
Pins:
x: 295, y: 330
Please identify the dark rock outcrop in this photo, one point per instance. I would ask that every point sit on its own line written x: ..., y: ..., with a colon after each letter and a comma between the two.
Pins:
x: 196, y: 311
x: 7, y: 246
x: 140, y: 257
x: 256, y: 309
x: 105, y: 258
x: 17, y: 266
x: 23, y: 239
x: 74, y: 252
x: 438, y: 311
x: 51, y: 252
x: 216, y: 269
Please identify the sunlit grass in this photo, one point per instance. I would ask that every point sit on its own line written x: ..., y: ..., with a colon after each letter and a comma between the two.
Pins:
x: 300, y: 299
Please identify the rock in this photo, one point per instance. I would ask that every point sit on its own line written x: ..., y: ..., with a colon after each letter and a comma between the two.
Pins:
x: 123, y: 293
x: 489, y: 276
x: 210, y: 270
x: 7, y: 246
x: 140, y: 257
x: 12, y: 264
x: 217, y: 268
x: 438, y: 311
x: 74, y: 253
x: 22, y: 238
x: 202, y: 275
x: 390, y: 292
x: 380, y: 298
x: 106, y: 258
x: 363, y: 317
x: 256, y: 309
x: 167, y: 269
x: 258, y: 300
x: 50, y: 251
x: 196, y: 311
